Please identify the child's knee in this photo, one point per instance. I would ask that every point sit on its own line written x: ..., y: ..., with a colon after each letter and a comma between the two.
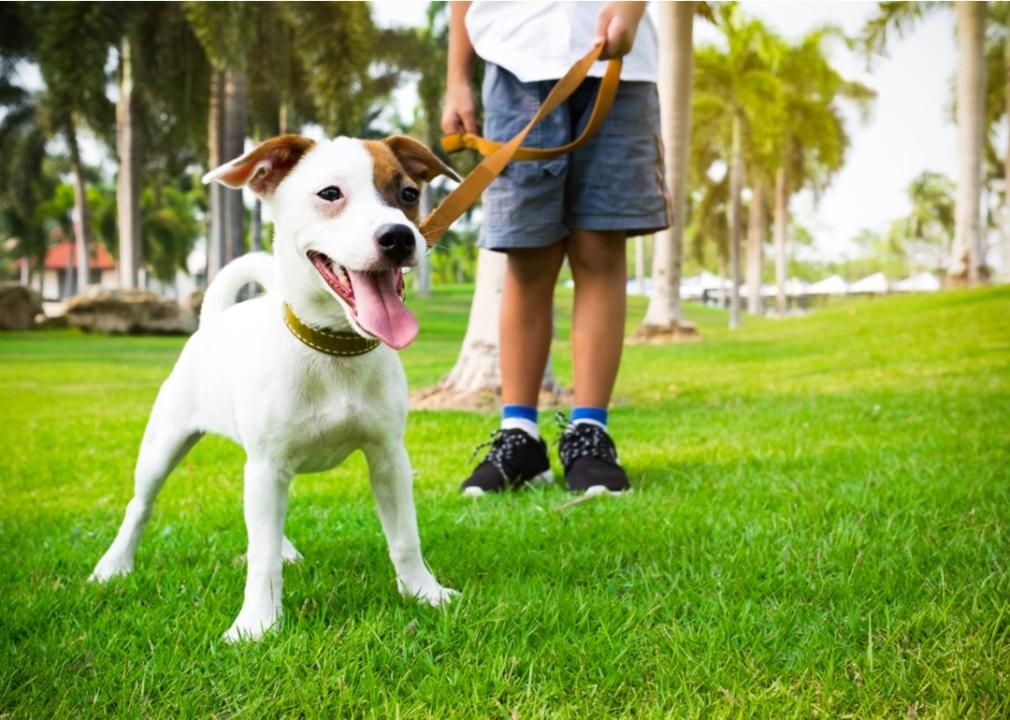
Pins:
x: 534, y: 266
x: 597, y: 254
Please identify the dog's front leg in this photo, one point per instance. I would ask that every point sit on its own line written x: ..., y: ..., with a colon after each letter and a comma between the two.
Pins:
x: 265, y: 507
x: 392, y: 485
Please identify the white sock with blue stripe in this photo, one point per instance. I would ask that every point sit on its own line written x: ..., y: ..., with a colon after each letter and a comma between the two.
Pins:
x: 520, y: 417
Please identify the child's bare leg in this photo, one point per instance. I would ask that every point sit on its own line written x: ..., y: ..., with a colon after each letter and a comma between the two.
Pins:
x: 526, y: 319
x: 599, y: 269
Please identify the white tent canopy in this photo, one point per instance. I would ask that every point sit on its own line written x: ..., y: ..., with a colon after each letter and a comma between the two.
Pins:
x: 923, y: 282
x: 875, y: 284
x: 833, y: 285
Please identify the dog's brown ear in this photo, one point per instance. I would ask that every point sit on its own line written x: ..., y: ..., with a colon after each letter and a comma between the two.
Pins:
x: 420, y: 163
x: 263, y: 168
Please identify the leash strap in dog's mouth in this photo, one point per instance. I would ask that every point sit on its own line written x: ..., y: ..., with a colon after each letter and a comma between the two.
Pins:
x: 499, y: 155
x: 344, y: 344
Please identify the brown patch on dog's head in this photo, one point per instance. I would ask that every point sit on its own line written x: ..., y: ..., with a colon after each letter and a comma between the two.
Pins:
x: 400, y: 162
x: 263, y: 168
x: 420, y: 163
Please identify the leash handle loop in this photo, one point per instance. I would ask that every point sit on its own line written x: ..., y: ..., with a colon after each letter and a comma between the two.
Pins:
x: 498, y: 155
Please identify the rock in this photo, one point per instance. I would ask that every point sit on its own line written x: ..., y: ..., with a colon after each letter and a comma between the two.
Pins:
x: 18, y: 306
x: 194, y: 302
x: 129, y: 312
x: 684, y: 331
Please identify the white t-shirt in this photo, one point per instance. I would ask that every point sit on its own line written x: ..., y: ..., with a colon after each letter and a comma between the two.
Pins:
x: 541, y: 40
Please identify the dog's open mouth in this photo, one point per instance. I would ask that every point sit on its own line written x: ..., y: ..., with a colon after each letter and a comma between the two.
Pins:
x: 374, y: 297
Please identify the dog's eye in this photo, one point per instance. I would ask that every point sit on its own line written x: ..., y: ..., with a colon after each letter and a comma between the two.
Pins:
x: 330, y: 194
x: 409, y: 195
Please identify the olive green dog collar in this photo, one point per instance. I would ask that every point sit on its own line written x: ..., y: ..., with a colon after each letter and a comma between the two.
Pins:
x: 344, y: 344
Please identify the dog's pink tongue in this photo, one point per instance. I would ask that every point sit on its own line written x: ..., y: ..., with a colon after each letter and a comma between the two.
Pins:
x: 380, y: 310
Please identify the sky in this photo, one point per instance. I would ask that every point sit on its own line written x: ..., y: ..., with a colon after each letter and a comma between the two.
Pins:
x: 910, y: 128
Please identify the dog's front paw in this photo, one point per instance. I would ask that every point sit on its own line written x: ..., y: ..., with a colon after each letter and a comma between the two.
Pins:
x: 429, y: 592
x: 250, y: 627
x: 289, y: 553
x: 110, y: 567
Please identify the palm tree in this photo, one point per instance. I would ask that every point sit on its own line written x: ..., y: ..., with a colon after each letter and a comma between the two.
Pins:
x: 967, y: 262
x: 997, y: 107
x: 676, y: 45
x: 75, y: 90
x: 225, y: 31
x: 930, y: 226
x: 736, y: 99
x: 24, y: 184
x: 812, y: 141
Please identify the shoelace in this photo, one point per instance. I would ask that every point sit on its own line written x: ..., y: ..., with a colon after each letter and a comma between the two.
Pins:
x: 503, y: 444
x: 583, y: 440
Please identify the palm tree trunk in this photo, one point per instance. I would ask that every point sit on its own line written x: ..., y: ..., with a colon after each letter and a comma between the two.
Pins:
x: 82, y: 220
x: 235, y: 112
x: 476, y: 369
x: 216, y: 257
x: 128, y: 182
x: 721, y: 291
x: 676, y: 52
x: 755, y: 245
x: 735, y: 221
x: 968, y: 262
x: 256, y: 230
x: 1006, y: 163
x: 477, y: 372
x: 781, y: 228
x: 640, y: 264
x: 422, y: 285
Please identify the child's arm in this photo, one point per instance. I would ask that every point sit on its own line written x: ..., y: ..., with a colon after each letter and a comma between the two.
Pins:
x: 616, y: 25
x: 459, y: 113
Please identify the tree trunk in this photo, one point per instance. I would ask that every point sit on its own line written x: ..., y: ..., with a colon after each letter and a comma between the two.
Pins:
x: 781, y: 228
x: 755, y: 245
x: 1006, y: 163
x: 422, y: 283
x: 128, y: 182
x: 720, y: 293
x: 82, y: 220
x: 735, y: 221
x: 968, y: 262
x: 676, y: 57
x: 475, y: 380
x: 216, y: 257
x: 26, y: 272
x: 256, y: 231
x: 477, y: 366
x: 235, y: 101
x: 640, y: 264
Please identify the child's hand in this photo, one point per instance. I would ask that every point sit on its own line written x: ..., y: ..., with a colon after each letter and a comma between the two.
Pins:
x: 616, y: 26
x: 460, y: 113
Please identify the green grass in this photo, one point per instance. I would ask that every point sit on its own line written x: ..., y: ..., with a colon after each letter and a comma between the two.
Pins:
x: 820, y: 527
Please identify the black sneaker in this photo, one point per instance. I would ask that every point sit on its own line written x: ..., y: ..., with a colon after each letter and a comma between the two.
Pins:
x: 590, y: 460
x: 514, y: 460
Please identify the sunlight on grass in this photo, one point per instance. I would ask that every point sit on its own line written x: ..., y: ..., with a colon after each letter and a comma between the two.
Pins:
x: 819, y: 527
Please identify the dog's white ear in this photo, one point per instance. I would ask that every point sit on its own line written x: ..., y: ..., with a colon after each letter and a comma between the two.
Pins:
x: 420, y: 163
x: 263, y: 168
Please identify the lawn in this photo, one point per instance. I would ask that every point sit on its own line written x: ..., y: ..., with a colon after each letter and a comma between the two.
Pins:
x: 820, y: 527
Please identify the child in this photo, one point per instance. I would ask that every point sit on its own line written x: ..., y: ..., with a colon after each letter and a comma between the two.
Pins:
x: 582, y: 206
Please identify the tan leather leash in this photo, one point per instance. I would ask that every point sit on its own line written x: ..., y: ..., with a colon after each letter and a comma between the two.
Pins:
x: 498, y: 155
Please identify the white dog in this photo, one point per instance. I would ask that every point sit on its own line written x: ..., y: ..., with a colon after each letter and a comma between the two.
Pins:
x: 299, y: 376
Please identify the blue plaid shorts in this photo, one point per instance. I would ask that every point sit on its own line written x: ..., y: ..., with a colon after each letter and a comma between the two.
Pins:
x: 613, y: 182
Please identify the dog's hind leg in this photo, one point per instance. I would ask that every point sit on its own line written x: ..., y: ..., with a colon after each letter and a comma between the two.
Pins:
x: 265, y: 505
x: 167, y: 439
x: 392, y: 485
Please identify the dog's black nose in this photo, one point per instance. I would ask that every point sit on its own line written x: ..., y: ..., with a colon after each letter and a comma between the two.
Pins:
x: 396, y: 242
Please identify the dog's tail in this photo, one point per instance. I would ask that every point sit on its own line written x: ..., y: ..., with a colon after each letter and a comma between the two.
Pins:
x: 257, y: 267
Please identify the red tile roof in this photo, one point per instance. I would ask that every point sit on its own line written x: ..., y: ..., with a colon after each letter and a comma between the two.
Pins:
x: 58, y: 255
